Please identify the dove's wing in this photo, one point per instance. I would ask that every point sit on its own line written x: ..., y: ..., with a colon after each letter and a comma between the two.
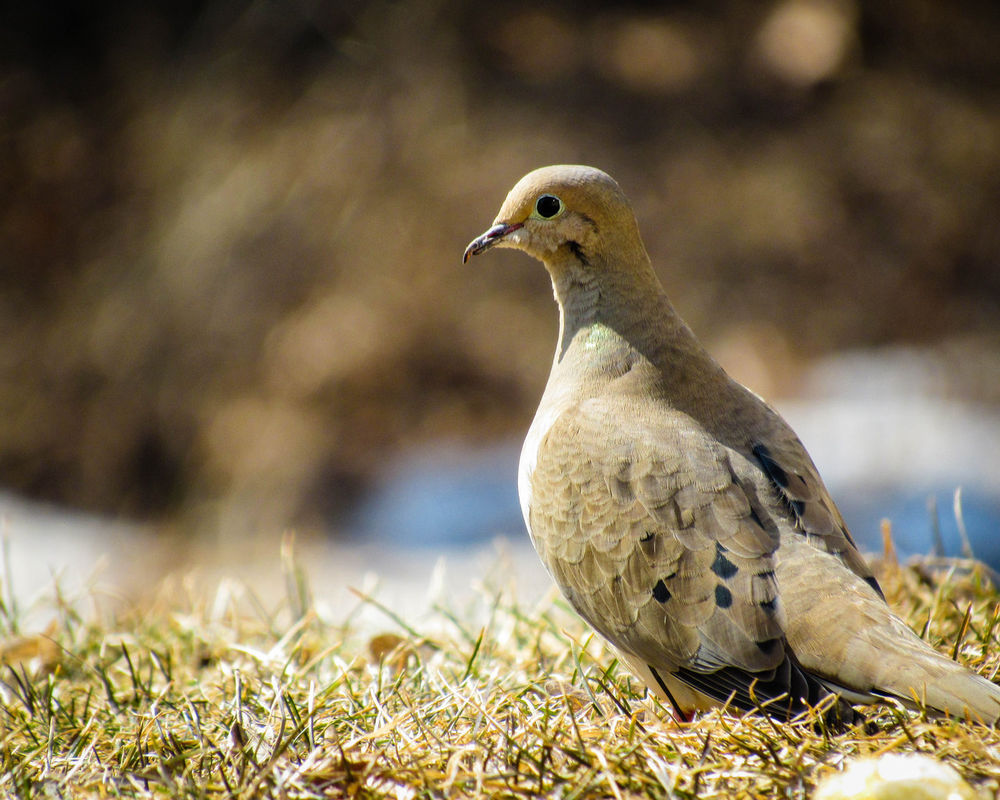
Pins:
x: 645, y: 524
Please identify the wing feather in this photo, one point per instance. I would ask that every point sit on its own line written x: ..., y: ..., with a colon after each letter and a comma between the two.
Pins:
x: 655, y: 542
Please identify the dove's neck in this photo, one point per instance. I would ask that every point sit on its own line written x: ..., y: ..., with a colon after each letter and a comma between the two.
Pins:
x: 605, y: 312
x: 615, y: 323
x: 617, y: 332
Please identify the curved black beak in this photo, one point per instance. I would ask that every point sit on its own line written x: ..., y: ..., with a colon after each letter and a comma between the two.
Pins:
x: 493, y: 236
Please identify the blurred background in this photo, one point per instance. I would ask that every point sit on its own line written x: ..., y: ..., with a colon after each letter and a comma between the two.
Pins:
x: 231, y: 291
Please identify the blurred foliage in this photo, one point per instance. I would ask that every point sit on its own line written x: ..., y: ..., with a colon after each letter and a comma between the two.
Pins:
x: 231, y: 231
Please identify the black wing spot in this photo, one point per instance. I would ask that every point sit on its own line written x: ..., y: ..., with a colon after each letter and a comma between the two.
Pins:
x: 771, y: 467
x: 660, y: 592
x: 768, y: 646
x: 769, y: 606
x: 722, y: 566
x: 870, y: 580
x: 723, y: 597
x: 647, y: 536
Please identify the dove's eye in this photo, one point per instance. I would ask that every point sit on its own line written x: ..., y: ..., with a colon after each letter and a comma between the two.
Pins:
x: 548, y: 206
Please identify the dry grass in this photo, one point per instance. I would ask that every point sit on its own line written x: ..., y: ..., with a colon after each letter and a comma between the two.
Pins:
x: 210, y: 694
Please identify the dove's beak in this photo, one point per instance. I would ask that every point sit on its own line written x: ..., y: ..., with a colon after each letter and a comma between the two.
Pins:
x: 493, y: 236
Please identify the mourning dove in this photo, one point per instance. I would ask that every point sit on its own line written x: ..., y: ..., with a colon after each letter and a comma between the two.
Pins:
x: 679, y: 513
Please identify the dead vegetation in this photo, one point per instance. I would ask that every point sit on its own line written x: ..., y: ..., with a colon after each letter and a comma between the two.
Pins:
x: 212, y: 694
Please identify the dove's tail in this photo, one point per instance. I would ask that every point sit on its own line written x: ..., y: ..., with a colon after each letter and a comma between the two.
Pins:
x: 928, y: 679
x: 935, y: 681
x: 865, y: 652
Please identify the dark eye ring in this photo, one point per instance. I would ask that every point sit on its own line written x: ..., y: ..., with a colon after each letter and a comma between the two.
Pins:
x: 548, y: 206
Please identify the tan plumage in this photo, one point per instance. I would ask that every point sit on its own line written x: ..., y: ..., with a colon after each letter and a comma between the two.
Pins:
x: 678, y: 513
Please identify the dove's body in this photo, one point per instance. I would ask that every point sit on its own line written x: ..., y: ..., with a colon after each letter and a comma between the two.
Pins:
x: 678, y: 513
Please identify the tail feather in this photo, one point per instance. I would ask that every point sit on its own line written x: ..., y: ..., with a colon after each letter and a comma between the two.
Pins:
x: 889, y: 660
x: 949, y: 688
x: 844, y: 633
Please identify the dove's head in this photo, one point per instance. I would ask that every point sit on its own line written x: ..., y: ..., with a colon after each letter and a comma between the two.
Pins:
x: 566, y: 215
